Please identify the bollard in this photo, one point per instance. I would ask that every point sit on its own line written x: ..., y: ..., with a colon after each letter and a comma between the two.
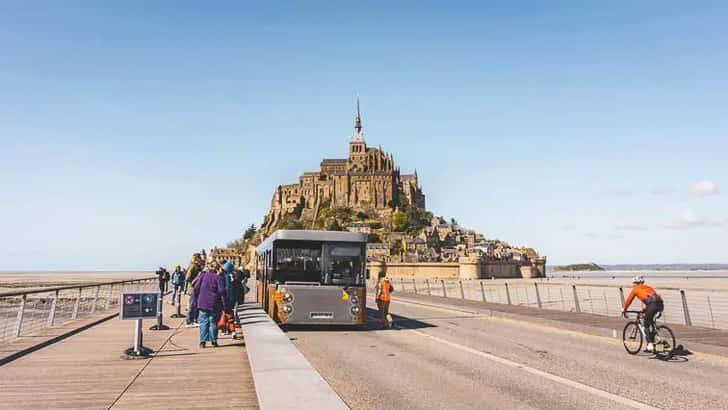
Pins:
x: 21, y: 312
x: 576, y: 300
x: 414, y: 285
x: 621, y: 295
x: 75, y: 305
x: 427, y: 282
x: 482, y: 291
x: 462, y: 292
x: 538, y: 296
x: 686, y: 312
x: 508, y: 293
x: 52, y: 313
x: 444, y: 292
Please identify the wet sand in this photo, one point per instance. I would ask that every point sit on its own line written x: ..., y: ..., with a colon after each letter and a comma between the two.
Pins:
x: 14, y: 281
x: 710, y: 280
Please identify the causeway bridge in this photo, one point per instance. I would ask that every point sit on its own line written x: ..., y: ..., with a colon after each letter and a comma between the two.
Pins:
x: 448, y: 348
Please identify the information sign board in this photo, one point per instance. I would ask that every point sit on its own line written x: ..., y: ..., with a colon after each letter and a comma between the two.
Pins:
x: 138, y: 305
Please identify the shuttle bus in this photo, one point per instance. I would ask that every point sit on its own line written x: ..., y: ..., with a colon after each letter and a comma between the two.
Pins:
x: 312, y: 277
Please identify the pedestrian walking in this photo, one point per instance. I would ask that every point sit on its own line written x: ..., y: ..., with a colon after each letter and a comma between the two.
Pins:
x: 193, y: 272
x: 209, y: 292
x: 178, y: 281
x: 383, y: 293
x: 228, y: 275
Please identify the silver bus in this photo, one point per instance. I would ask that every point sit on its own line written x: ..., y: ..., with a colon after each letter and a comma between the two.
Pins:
x: 312, y: 277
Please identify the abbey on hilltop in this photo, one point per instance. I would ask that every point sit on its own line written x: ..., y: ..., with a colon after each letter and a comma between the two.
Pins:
x: 368, y: 179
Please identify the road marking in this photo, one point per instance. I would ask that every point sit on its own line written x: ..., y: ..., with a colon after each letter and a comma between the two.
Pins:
x: 558, y: 379
x: 523, y: 323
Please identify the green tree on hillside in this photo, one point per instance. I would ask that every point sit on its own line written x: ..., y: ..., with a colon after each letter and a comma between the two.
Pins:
x: 400, y: 221
x: 249, y: 232
x: 289, y: 222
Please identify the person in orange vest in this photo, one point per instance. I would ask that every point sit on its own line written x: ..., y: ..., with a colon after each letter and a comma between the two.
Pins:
x: 384, y: 291
x: 653, y: 305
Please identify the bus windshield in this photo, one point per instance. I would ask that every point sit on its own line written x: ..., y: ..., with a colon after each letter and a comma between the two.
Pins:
x: 343, y: 265
x: 298, y: 262
x: 325, y: 263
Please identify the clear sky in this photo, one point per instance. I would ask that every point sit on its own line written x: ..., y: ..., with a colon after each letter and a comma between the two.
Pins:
x: 133, y: 133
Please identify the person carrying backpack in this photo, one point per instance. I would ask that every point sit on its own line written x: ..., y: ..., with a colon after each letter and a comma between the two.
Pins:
x: 384, y: 291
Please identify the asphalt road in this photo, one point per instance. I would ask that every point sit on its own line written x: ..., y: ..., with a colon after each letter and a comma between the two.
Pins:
x: 442, y: 358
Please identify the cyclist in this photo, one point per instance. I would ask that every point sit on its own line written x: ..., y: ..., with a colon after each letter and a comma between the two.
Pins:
x: 653, y: 305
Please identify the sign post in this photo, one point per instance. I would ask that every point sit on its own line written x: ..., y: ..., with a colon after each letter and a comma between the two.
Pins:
x: 159, y: 325
x: 179, y: 306
x: 137, y: 306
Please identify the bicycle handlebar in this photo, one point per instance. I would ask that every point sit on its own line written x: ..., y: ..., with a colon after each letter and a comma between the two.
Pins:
x: 637, y: 312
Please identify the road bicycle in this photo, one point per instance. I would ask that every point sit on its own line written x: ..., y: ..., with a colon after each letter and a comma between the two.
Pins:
x: 635, y: 334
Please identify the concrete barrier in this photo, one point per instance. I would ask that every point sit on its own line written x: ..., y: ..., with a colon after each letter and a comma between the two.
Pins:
x: 283, y: 378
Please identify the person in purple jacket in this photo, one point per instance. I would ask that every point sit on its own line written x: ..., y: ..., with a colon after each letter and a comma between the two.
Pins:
x: 209, y: 293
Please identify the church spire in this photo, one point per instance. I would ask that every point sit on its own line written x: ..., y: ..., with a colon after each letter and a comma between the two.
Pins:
x: 358, y: 134
x: 357, y: 121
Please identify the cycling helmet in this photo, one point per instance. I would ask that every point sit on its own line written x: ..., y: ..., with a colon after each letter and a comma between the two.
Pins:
x: 228, y: 267
x: 638, y: 279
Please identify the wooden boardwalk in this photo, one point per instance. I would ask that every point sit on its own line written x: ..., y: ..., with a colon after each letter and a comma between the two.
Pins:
x: 86, y: 371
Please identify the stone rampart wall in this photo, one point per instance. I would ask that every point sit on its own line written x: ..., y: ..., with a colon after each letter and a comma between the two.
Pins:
x: 424, y: 270
x: 466, y: 269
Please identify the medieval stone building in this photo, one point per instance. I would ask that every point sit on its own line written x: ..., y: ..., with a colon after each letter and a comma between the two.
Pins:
x: 367, y: 179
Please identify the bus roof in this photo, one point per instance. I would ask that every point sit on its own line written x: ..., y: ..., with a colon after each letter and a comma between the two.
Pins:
x: 311, y: 235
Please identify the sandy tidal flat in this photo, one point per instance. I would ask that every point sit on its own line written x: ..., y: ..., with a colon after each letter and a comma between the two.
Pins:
x: 14, y: 281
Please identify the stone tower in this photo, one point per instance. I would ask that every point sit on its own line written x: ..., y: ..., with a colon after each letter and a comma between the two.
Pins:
x: 357, y: 146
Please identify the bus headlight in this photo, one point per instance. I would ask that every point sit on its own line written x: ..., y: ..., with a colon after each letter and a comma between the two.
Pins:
x: 287, y: 309
x: 288, y: 297
x: 354, y: 300
x: 355, y: 310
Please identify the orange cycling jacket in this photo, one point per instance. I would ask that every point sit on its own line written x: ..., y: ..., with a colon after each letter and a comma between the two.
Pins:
x: 644, y: 293
x: 385, y: 288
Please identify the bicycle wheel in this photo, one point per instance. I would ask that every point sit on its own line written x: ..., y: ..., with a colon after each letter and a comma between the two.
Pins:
x: 664, y: 340
x: 632, y: 338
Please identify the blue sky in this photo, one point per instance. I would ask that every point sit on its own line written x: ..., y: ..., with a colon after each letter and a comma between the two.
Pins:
x: 135, y: 133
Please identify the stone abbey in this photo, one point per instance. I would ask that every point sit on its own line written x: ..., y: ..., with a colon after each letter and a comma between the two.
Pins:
x: 368, y: 179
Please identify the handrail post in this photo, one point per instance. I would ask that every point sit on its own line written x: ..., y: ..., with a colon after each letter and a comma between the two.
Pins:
x: 401, y: 282
x: 108, y: 298
x: 414, y: 285
x: 21, y: 312
x: 482, y: 290
x: 96, y: 298
x: 462, y: 292
x: 576, y: 299
x: 75, y: 305
x: 538, y: 296
x: 688, y: 322
x: 508, y: 294
x: 444, y: 291
x: 52, y: 313
x: 427, y: 282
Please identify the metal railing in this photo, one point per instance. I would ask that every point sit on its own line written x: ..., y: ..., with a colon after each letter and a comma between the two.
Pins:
x: 26, y: 313
x: 691, y: 307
